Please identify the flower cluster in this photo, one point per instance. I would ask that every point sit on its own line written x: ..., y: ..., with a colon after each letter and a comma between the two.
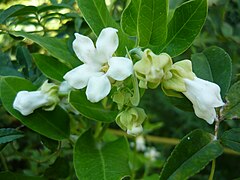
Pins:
x: 177, y: 80
x: 101, y: 70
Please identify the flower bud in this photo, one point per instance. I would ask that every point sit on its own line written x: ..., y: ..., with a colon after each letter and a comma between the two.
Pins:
x: 205, y: 96
x: 26, y: 102
x: 151, y: 68
x: 173, y: 81
x: 131, y: 120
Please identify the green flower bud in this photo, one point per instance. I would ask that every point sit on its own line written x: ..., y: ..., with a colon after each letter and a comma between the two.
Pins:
x: 173, y: 82
x: 121, y: 97
x: 151, y: 68
x: 52, y: 91
x: 131, y: 120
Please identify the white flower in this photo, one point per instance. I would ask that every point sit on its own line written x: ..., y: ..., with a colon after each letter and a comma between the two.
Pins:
x: 46, y: 97
x: 64, y: 88
x: 99, y: 65
x: 26, y: 102
x: 152, y: 154
x: 205, y: 96
x: 135, y: 130
x: 140, y: 143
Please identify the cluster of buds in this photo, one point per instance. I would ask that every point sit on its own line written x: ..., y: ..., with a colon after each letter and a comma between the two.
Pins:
x: 177, y: 79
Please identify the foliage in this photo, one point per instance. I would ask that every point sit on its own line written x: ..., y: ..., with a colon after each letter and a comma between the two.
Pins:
x: 80, y: 139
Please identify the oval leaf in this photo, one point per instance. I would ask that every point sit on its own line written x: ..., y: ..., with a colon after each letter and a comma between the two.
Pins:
x: 231, y: 139
x: 51, y: 67
x: 53, y: 124
x: 150, y: 26
x: 103, y: 19
x: 9, y: 135
x: 191, y: 155
x: 56, y: 47
x: 94, y: 111
x: 231, y: 110
x: 214, y: 64
x: 92, y: 160
x: 185, y: 25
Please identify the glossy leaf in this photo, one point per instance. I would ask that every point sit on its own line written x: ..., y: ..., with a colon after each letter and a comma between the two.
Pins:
x: 94, y: 111
x: 93, y: 160
x: 53, y: 124
x: 56, y: 47
x: 185, y: 25
x: 9, y: 135
x: 214, y: 64
x: 58, y: 170
x: 9, y: 71
x: 96, y: 14
x: 231, y: 139
x: 146, y: 19
x: 16, y: 10
x: 24, y: 58
x: 191, y: 155
x: 232, y: 108
x: 51, y: 67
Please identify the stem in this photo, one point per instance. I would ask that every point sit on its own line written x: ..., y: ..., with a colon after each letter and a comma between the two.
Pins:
x: 212, y: 170
x: 216, y: 129
x: 102, y: 132
x: 133, y: 162
x: 163, y: 140
x: 3, y: 160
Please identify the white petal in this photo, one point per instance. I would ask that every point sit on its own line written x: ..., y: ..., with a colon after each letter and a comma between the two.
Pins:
x: 207, y: 113
x: 64, y: 88
x: 136, y: 130
x: 98, y: 88
x: 119, y: 68
x: 205, y: 96
x: 79, y: 76
x: 84, y: 48
x: 26, y: 102
x: 107, y: 43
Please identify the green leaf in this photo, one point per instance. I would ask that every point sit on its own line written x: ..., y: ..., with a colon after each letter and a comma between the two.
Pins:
x: 51, y: 67
x: 152, y: 177
x: 185, y: 25
x: 16, y: 10
x: 93, y: 160
x: 231, y: 109
x: 58, y: 170
x: 16, y: 176
x: 191, y: 155
x: 231, y: 139
x: 50, y: 143
x: 214, y: 64
x: 56, y: 47
x: 94, y: 111
x: 9, y: 135
x: 9, y: 71
x: 53, y: 124
x: 25, y: 59
x: 96, y: 14
x: 146, y: 19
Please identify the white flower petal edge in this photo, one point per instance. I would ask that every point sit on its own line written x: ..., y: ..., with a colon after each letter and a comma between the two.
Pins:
x: 107, y: 43
x: 79, y: 76
x: 84, y: 48
x: 98, y: 88
x: 26, y: 102
x: 205, y: 96
x: 136, y: 130
x: 97, y: 62
x: 119, y: 68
